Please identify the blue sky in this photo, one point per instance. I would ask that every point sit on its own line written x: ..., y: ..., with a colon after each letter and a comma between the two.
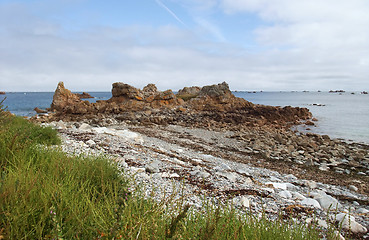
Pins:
x: 251, y: 44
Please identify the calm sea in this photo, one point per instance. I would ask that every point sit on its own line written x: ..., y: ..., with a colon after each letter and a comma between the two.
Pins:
x: 340, y: 115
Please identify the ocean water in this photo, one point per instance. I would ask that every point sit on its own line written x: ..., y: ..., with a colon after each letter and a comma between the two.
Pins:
x: 340, y: 115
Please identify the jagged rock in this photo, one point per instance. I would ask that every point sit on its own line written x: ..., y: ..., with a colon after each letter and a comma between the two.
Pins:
x: 63, y: 98
x: 216, y: 91
x: 149, y: 90
x: 2, y: 93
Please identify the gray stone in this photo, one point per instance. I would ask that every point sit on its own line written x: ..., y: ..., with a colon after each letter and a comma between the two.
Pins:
x: 200, y: 174
x: 353, y: 188
x: 310, y: 202
x: 152, y: 167
x: 285, y: 194
x: 85, y: 127
x: 241, y: 202
x: 349, y: 223
x: 363, y: 211
x: 328, y: 202
x: 91, y: 143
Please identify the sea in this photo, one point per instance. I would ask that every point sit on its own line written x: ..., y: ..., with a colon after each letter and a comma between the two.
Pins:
x: 341, y: 115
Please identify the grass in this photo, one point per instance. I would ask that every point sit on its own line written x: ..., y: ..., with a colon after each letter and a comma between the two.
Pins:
x: 46, y: 194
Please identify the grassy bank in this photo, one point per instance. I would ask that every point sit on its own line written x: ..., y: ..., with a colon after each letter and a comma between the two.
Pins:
x: 46, y: 194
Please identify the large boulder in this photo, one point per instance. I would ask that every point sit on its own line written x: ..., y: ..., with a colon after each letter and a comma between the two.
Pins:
x: 126, y: 91
x: 63, y: 98
x: 216, y: 91
x: 194, y: 90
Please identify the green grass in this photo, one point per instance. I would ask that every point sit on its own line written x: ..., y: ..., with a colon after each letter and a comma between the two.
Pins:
x: 46, y: 194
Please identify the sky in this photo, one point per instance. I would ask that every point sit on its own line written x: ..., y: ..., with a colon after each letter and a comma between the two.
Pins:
x: 268, y: 45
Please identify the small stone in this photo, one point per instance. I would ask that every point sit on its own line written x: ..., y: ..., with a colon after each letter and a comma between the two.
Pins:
x: 91, y: 143
x: 323, y: 167
x: 85, y: 127
x: 222, y: 167
x: 328, y: 202
x: 152, y: 167
x: 291, y: 177
x: 356, y: 203
x: 310, y: 202
x: 322, y: 223
x: 363, y: 211
x: 310, y: 184
x: 298, y: 196
x: 278, y: 185
x: 200, y: 174
x: 349, y: 223
x: 285, y: 194
x: 245, y: 202
x: 353, y: 188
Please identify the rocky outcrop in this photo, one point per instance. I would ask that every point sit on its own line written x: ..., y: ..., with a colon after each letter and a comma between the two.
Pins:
x: 211, y: 106
x: 2, y: 93
x: 219, y: 91
x: 123, y: 92
x: 63, y: 98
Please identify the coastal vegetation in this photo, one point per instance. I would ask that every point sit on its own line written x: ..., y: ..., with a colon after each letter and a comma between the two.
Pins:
x: 47, y: 194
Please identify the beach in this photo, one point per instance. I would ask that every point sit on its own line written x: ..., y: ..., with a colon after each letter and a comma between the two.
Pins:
x: 259, y: 166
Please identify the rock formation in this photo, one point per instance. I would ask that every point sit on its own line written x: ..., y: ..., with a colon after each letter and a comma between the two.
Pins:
x: 213, y: 105
x: 63, y: 98
x: 2, y: 93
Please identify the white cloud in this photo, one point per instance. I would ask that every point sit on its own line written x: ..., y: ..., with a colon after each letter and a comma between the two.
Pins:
x: 303, y: 45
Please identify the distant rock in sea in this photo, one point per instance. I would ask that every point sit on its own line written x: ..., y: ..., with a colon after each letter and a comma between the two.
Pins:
x: 337, y: 91
x: 2, y: 93
x: 83, y: 95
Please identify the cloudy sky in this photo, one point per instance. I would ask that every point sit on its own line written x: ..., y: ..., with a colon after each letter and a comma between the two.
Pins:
x: 251, y: 44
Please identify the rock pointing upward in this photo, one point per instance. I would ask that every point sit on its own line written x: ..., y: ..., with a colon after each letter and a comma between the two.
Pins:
x: 63, y: 97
